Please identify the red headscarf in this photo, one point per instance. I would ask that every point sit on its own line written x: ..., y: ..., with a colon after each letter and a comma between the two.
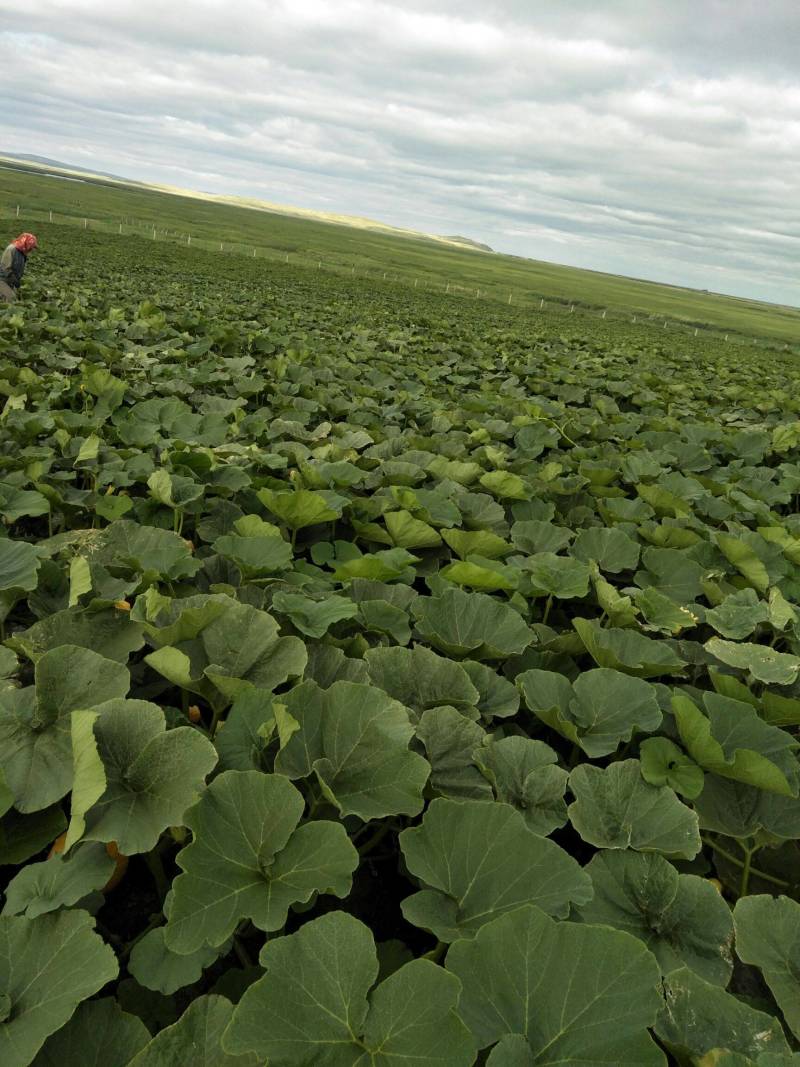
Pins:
x: 25, y: 243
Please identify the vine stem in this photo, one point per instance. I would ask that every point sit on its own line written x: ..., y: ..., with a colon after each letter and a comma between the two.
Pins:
x: 436, y: 953
x: 741, y: 864
x: 547, y: 607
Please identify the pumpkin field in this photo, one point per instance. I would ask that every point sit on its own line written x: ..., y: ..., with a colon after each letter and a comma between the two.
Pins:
x: 389, y: 680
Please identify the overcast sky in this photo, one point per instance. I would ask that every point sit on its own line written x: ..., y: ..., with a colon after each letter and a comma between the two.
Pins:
x: 656, y: 138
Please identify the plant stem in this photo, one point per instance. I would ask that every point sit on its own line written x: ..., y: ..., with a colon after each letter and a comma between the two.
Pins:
x: 753, y: 871
x: 376, y: 838
x: 436, y: 953
x: 744, y: 884
x: 548, y: 605
x: 153, y: 861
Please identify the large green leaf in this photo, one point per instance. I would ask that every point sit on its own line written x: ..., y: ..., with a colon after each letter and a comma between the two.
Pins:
x: 303, y: 507
x: 249, y: 858
x: 615, y: 807
x: 22, y: 836
x: 133, y: 777
x: 558, y: 576
x: 99, y: 1034
x: 681, y: 918
x: 354, y: 738
x: 195, y: 1040
x: 768, y: 937
x: 763, y: 662
x: 19, y: 565
x: 314, y: 1005
x: 58, y: 882
x: 450, y: 741
x: 156, y: 967
x: 48, y: 965
x: 420, y: 679
x: 699, y: 1017
x: 609, y: 547
x: 524, y: 774
x: 313, y: 617
x: 480, y: 860
x: 145, y: 550
x: 731, y: 740
x: 602, y: 708
x: 627, y: 651
x: 230, y: 651
x: 35, y: 746
x: 471, y: 624
x: 567, y: 995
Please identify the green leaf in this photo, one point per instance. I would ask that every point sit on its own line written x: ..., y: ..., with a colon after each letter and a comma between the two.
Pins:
x: 738, y: 614
x: 376, y: 567
x: 609, y: 547
x: 524, y: 774
x: 256, y: 556
x: 744, y: 560
x: 498, y: 698
x: 99, y: 1034
x: 627, y: 651
x: 732, y: 741
x: 407, y: 532
x: 22, y: 836
x: 768, y: 937
x: 35, y: 746
x: 80, y: 579
x: 19, y: 565
x: 314, y: 1005
x: 250, y: 859
x: 231, y: 651
x: 354, y: 739
x: 663, y: 763
x: 566, y: 994
x: 421, y: 679
x: 157, y: 967
x: 560, y: 576
x: 477, y: 573
x: 145, y: 550
x: 133, y: 777
x: 480, y: 860
x: 763, y: 663
x: 195, y: 1039
x: 681, y: 918
x: 615, y: 808
x: 599, y: 710
x: 303, y: 507
x: 450, y: 740
x: 476, y: 542
x: 58, y: 882
x: 505, y: 485
x: 48, y: 965
x: 471, y: 624
x: 109, y: 633
x: 699, y: 1017
x: 313, y: 617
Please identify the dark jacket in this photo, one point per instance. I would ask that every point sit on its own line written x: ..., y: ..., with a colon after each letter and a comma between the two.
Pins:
x: 12, y: 266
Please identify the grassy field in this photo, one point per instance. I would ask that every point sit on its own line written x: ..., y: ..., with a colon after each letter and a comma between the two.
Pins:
x: 414, y: 260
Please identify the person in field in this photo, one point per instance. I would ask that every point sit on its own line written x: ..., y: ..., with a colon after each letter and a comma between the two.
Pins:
x: 12, y: 266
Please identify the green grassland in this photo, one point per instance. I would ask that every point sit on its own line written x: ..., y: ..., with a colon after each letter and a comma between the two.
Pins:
x: 368, y: 248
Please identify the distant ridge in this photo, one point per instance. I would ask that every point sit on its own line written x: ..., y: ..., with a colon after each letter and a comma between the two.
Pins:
x: 58, y: 168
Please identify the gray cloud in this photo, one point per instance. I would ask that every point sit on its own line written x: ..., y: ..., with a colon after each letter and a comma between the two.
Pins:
x: 654, y: 140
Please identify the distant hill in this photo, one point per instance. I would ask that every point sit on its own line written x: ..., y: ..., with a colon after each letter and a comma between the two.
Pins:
x: 468, y: 242
x: 43, y: 163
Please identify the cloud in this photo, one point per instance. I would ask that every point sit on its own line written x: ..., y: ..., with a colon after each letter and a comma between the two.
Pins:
x: 659, y: 141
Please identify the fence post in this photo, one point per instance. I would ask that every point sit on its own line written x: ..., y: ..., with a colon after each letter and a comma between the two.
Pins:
x: 541, y: 303
x: 51, y: 216
x: 509, y: 298
x: 604, y: 314
x: 120, y: 227
x: 17, y: 210
x: 86, y: 224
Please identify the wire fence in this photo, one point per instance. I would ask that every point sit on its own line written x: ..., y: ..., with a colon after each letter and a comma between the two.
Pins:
x: 520, y: 299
